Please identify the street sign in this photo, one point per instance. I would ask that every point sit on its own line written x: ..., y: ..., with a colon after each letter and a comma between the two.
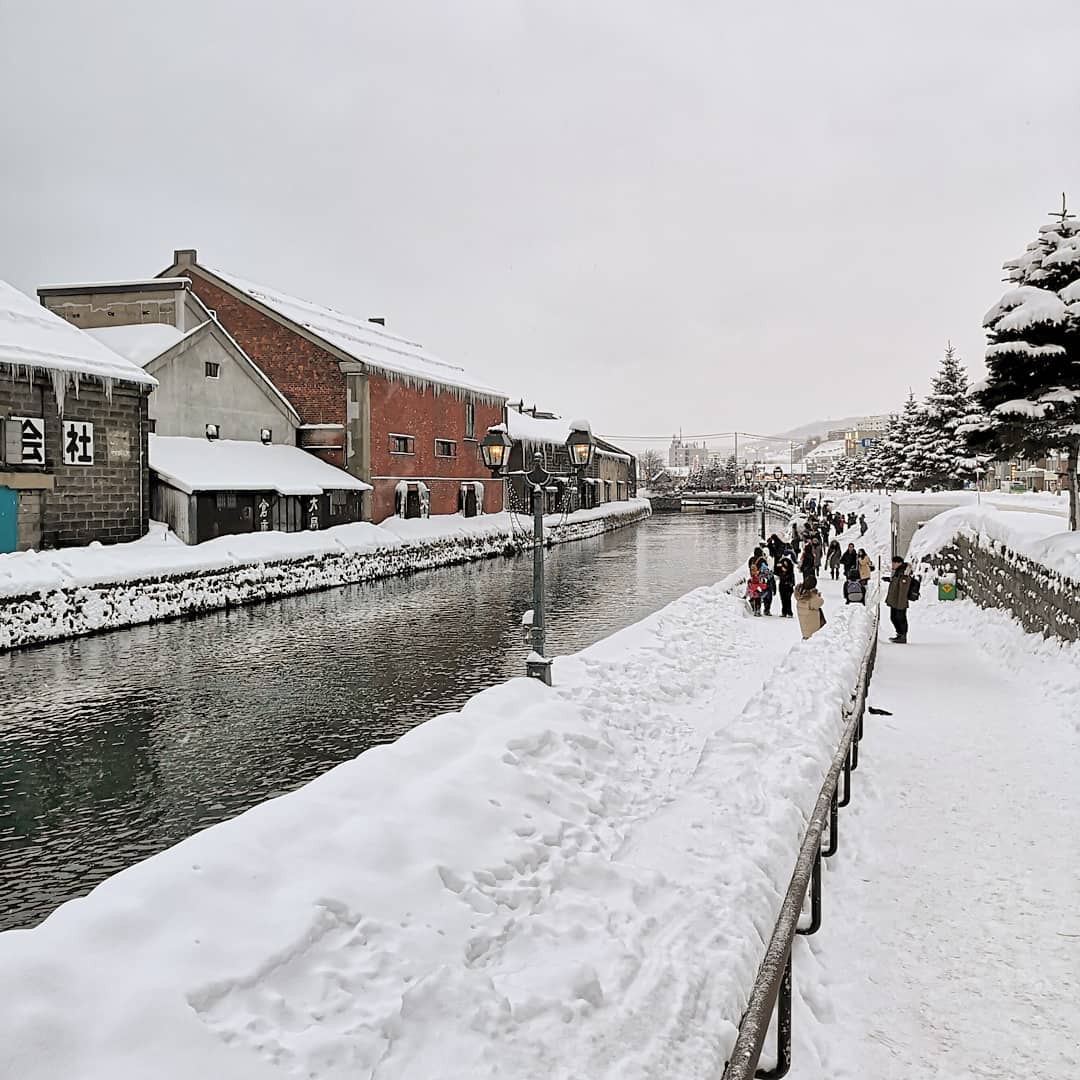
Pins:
x: 30, y: 448
x: 78, y: 443
x: 867, y: 443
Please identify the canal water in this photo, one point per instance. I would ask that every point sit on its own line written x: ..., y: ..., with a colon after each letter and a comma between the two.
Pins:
x: 113, y: 748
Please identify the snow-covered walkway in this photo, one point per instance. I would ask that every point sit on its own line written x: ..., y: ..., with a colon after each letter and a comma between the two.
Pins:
x: 950, y: 945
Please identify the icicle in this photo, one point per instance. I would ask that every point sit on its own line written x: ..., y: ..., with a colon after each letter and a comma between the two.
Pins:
x: 59, y: 386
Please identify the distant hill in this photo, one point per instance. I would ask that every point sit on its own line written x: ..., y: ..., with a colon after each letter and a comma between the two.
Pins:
x: 819, y: 427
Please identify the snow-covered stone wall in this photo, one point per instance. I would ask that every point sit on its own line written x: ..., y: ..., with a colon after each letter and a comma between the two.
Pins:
x: 1043, y: 600
x: 75, y: 610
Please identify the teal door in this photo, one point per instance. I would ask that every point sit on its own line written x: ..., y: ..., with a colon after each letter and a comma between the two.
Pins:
x: 8, y: 505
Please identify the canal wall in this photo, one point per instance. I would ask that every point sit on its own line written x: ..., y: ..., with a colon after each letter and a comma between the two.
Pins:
x: 229, y: 573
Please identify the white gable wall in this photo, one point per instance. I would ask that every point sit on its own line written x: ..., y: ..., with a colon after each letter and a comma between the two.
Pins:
x: 239, y: 401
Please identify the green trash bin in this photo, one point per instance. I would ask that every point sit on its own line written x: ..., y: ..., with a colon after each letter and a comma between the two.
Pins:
x: 946, y: 587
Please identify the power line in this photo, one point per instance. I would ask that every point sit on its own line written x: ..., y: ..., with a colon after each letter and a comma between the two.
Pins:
x: 695, y: 438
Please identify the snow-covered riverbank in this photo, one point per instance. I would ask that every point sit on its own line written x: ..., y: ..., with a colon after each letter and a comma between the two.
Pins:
x: 51, y: 595
x: 550, y: 883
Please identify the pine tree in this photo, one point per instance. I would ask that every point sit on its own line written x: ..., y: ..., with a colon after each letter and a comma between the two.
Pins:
x: 1031, y: 395
x: 940, y: 459
x: 894, y: 461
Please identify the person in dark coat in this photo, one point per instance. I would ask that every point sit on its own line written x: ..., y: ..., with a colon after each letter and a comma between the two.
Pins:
x: 785, y: 582
x: 849, y: 560
x: 897, y: 599
x: 832, y: 559
x: 795, y: 539
x: 776, y: 547
x: 807, y: 564
x: 838, y: 522
x: 769, y: 583
x: 851, y: 519
x: 862, y: 525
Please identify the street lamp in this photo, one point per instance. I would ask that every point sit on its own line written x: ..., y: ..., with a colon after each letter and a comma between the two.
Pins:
x: 495, y: 450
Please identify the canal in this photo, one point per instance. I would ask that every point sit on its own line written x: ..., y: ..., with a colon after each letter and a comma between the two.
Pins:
x: 114, y: 747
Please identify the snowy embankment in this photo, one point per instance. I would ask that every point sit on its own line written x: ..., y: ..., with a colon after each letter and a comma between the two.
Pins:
x: 51, y: 595
x: 551, y: 883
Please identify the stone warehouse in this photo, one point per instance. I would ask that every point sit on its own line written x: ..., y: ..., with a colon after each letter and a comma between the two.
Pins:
x: 611, y: 477
x: 73, y: 458
x: 375, y: 403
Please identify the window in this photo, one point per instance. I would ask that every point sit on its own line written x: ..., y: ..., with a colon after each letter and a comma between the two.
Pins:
x: 445, y: 448
x: 225, y: 500
x: 470, y: 420
x: 213, y: 371
x: 402, y: 444
x: 338, y: 503
x: 151, y: 424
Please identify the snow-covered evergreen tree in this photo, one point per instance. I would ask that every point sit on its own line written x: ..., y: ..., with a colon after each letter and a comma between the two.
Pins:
x: 1031, y: 394
x: 893, y: 462
x: 940, y: 458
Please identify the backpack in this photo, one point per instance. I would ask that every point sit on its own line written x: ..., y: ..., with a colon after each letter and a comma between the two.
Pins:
x: 913, y: 589
x: 853, y: 591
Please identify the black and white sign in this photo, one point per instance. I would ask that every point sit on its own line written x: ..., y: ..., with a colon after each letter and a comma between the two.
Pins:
x: 264, y: 514
x: 31, y: 439
x: 313, y: 512
x: 78, y: 443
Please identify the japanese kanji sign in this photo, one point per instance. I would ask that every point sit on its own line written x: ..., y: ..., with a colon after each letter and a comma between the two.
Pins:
x: 78, y: 443
x: 264, y: 514
x: 31, y: 439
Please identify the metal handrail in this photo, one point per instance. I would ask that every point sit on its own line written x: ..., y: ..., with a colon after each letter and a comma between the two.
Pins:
x: 774, y: 976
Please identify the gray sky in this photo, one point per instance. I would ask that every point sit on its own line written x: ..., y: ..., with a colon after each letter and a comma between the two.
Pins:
x: 707, y: 215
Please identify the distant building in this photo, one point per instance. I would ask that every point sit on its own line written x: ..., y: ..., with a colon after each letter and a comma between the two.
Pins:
x: 73, y: 457
x: 612, y: 476
x: 689, y: 455
x: 372, y: 402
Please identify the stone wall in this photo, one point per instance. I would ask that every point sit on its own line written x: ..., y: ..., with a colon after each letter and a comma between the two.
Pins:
x: 1042, y: 600
x: 107, y: 501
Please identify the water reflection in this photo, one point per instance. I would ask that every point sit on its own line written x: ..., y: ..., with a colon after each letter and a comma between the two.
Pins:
x: 112, y: 748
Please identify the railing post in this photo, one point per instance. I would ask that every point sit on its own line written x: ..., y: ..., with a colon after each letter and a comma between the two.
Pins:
x: 815, y: 899
x: 847, y: 780
x: 834, y: 827
x: 783, y: 1028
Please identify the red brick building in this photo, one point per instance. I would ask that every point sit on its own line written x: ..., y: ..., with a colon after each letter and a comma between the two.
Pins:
x: 372, y: 402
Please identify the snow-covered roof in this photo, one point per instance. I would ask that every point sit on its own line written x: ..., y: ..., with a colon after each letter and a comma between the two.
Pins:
x: 32, y: 338
x: 533, y: 432
x: 192, y: 464
x: 826, y: 449
x: 369, y: 343
x: 117, y: 286
x: 139, y: 342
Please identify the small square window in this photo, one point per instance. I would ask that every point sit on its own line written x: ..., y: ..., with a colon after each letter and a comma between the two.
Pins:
x: 445, y: 448
x: 402, y: 444
x: 213, y: 371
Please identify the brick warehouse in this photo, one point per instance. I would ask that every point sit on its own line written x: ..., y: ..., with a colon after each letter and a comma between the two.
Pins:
x: 372, y: 402
x: 73, y: 462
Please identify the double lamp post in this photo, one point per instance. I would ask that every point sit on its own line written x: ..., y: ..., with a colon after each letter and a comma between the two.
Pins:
x: 495, y: 449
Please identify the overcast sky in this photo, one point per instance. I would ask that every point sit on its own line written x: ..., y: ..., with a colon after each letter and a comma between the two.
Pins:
x: 661, y: 215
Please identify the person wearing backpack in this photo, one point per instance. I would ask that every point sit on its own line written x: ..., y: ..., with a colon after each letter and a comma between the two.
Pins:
x: 768, y: 586
x: 854, y: 593
x: 785, y: 578
x: 901, y: 588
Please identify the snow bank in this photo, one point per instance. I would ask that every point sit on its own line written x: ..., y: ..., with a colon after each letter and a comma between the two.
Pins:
x: 51, y: 595
x: 575, y: 881
x: 1037, y: 536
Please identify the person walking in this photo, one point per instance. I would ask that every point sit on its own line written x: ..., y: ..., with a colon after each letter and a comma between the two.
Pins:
x: 795, y: 539
x: 815, y: 539
x: 838, y: 523
x: 785, y: 581
x: 897, y: 599
x: 866, y: 568
x: 826, y: 525
x: 862, y: 525
x: 768, y: 587
x: 809, y: 603
x: 806, y: 563
x: 776, y: 547
x: 754, y: 589
x: 851, y: 518
x: 854, y: 593
x: 850, y: 559
x: 832, y: 559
